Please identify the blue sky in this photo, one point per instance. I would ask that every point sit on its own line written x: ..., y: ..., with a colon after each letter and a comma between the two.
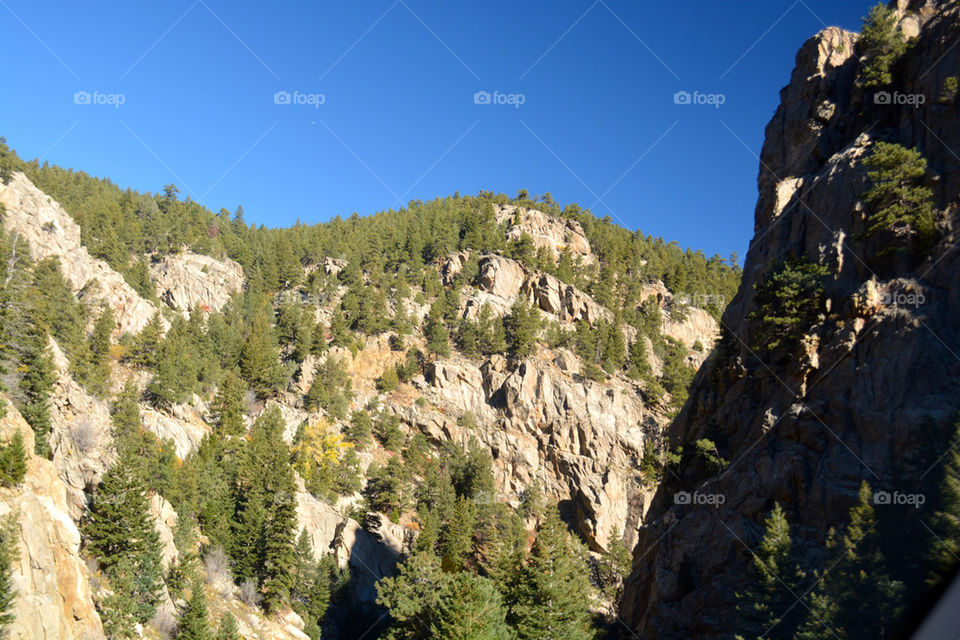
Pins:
x: 399, y: 120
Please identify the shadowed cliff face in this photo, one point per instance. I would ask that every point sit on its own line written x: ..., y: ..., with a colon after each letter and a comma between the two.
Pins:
x: 876, y: 392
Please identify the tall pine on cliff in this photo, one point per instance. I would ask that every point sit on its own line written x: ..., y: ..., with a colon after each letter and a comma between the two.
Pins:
x: 264, y: 521
x: 120, y: 534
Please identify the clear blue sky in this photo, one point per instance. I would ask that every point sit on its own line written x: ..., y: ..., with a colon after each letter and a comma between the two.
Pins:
x: 598, y: 124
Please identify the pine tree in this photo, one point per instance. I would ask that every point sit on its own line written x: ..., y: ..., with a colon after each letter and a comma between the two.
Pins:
x: 359, y: 430
x: 146, y: 344
x: 260, y: 359
x: 118, y: 609
x: 470, y: 607
x: 13, y: 461
x: 435, y: 331
x: 456, y: 540
x: 522, y: 326
x: 265, y: 516
x: 897, y: 198
x: 194, y: 621
x: 946, y: 521
x: 36, y: 383
x: 549, y: 596
x: 881, y: 44
x: 120, y: 533
x: 100, y: 339
x: 860, y: 575
x: 412, y: 594
x: 228, y: 628
x: 8, y: 556
x: 766, y: 607
x: 310, y: 594
x: 332, y: 388
x: 227, y: 407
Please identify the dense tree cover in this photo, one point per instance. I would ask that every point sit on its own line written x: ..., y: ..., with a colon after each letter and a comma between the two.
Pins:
x: 473, y: 572
x: 386, y: 255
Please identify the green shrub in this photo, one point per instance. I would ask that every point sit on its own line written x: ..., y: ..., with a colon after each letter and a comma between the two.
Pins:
x: 948, y: 92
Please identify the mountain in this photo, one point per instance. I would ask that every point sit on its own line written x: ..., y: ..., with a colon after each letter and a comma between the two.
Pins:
x: 804, y: 403
x: 486, y: 360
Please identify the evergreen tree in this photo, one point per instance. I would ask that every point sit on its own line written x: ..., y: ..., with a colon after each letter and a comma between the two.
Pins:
x: 194, y: 621
x: 36, y: 383
x: 8, y: 556
x: 260, y: 359
x: 13, y: 461
x: 898, y: 200
x: 522, y: 326
x: 946, y: 521
x: 548, y: 598
x: 859, y: 576
x: 227, y: 407
x: 435, y: 331
x: 412, y: 594
x: 146, y: 344
x: 228, y: 628
x: 120, y: 533
x: 265, y: 513
x: 881, y: 44
x: 332, y: 388
x: 766, y: 608
x: 359, y: 430
x: 470, y: 607
x: 788, y: 302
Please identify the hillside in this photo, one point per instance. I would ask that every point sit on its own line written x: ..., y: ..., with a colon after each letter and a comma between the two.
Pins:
x: 303, y: 409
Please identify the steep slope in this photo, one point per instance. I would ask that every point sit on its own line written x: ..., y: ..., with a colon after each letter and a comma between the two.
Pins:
x: 37, y: 218
x: 871, y: 393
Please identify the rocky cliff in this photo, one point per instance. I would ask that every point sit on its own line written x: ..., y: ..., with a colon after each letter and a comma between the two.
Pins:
x: 35, y: 217
x: 188, y: 281
x: 874, y: 395
x: 54, y: 600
